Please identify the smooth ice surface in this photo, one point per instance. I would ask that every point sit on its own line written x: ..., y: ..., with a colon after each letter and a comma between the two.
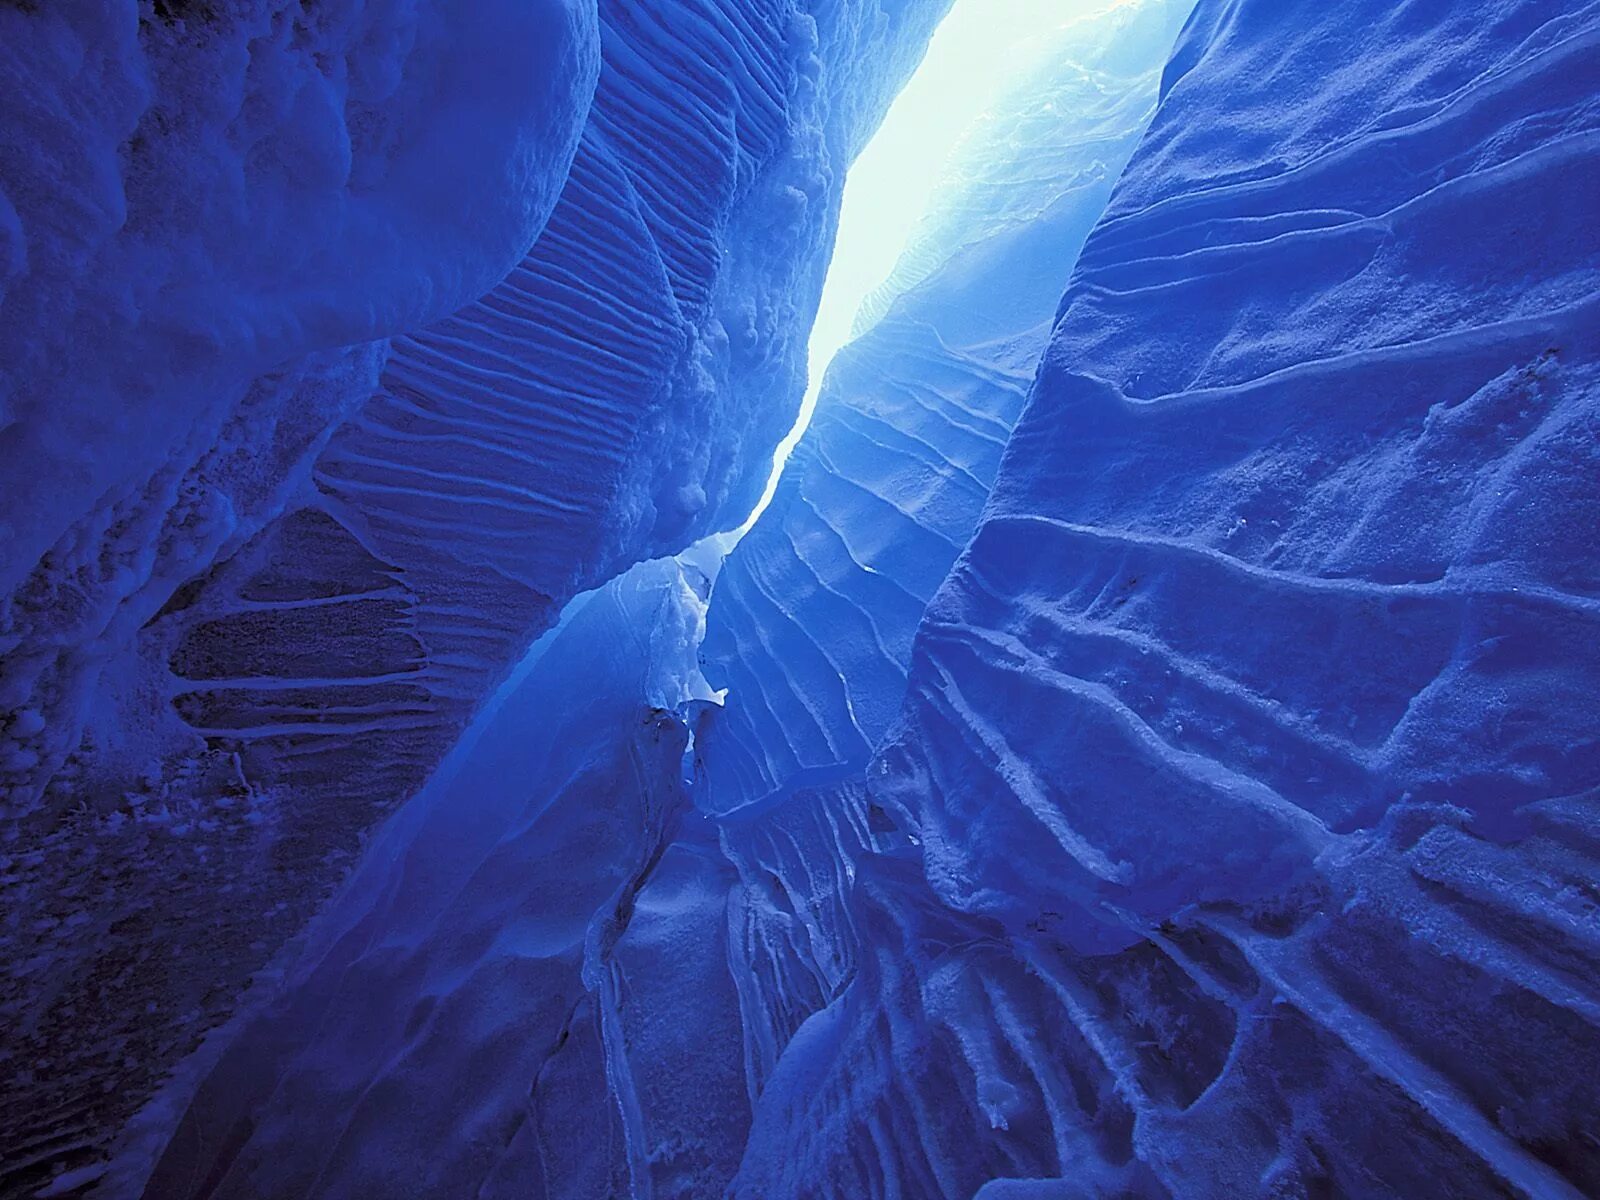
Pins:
x: 455, y: 1025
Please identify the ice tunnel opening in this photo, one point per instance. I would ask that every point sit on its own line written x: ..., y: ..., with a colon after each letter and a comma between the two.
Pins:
x: 992, y: 69
x: 976, y: 55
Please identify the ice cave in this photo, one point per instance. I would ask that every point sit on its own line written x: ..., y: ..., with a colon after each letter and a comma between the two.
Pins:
x: 799, y: 599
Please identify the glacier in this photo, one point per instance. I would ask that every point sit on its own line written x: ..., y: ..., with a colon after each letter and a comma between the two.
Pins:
x: 1142, y: 742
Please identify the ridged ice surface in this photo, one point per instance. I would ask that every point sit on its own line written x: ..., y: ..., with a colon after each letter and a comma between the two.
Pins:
x: 816, y: 608
x: 526, y: 446
x: 1254, y: 737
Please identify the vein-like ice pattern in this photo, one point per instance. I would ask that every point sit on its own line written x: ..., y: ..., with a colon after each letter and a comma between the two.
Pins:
x: 255, y: 579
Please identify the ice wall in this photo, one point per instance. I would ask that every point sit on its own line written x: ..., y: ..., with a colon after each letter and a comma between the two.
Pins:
x: 263, y: 568
x: 1253, y: 741
x: 1223, y: 827
x: 871, y: 1040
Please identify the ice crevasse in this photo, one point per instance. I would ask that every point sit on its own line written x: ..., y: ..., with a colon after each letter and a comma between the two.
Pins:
x: 614, y: 943
x: 1149, y: 746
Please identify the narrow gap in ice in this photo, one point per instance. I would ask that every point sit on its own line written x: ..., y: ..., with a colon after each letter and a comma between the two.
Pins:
x: 975, y: 60
x: 980, y: 47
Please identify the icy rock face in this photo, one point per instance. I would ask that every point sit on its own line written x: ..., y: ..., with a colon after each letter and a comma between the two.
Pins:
x: 275, y: 605
x: 1253, y: 744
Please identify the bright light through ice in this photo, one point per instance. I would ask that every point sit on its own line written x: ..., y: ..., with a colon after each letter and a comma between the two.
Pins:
x: 979, y: 49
